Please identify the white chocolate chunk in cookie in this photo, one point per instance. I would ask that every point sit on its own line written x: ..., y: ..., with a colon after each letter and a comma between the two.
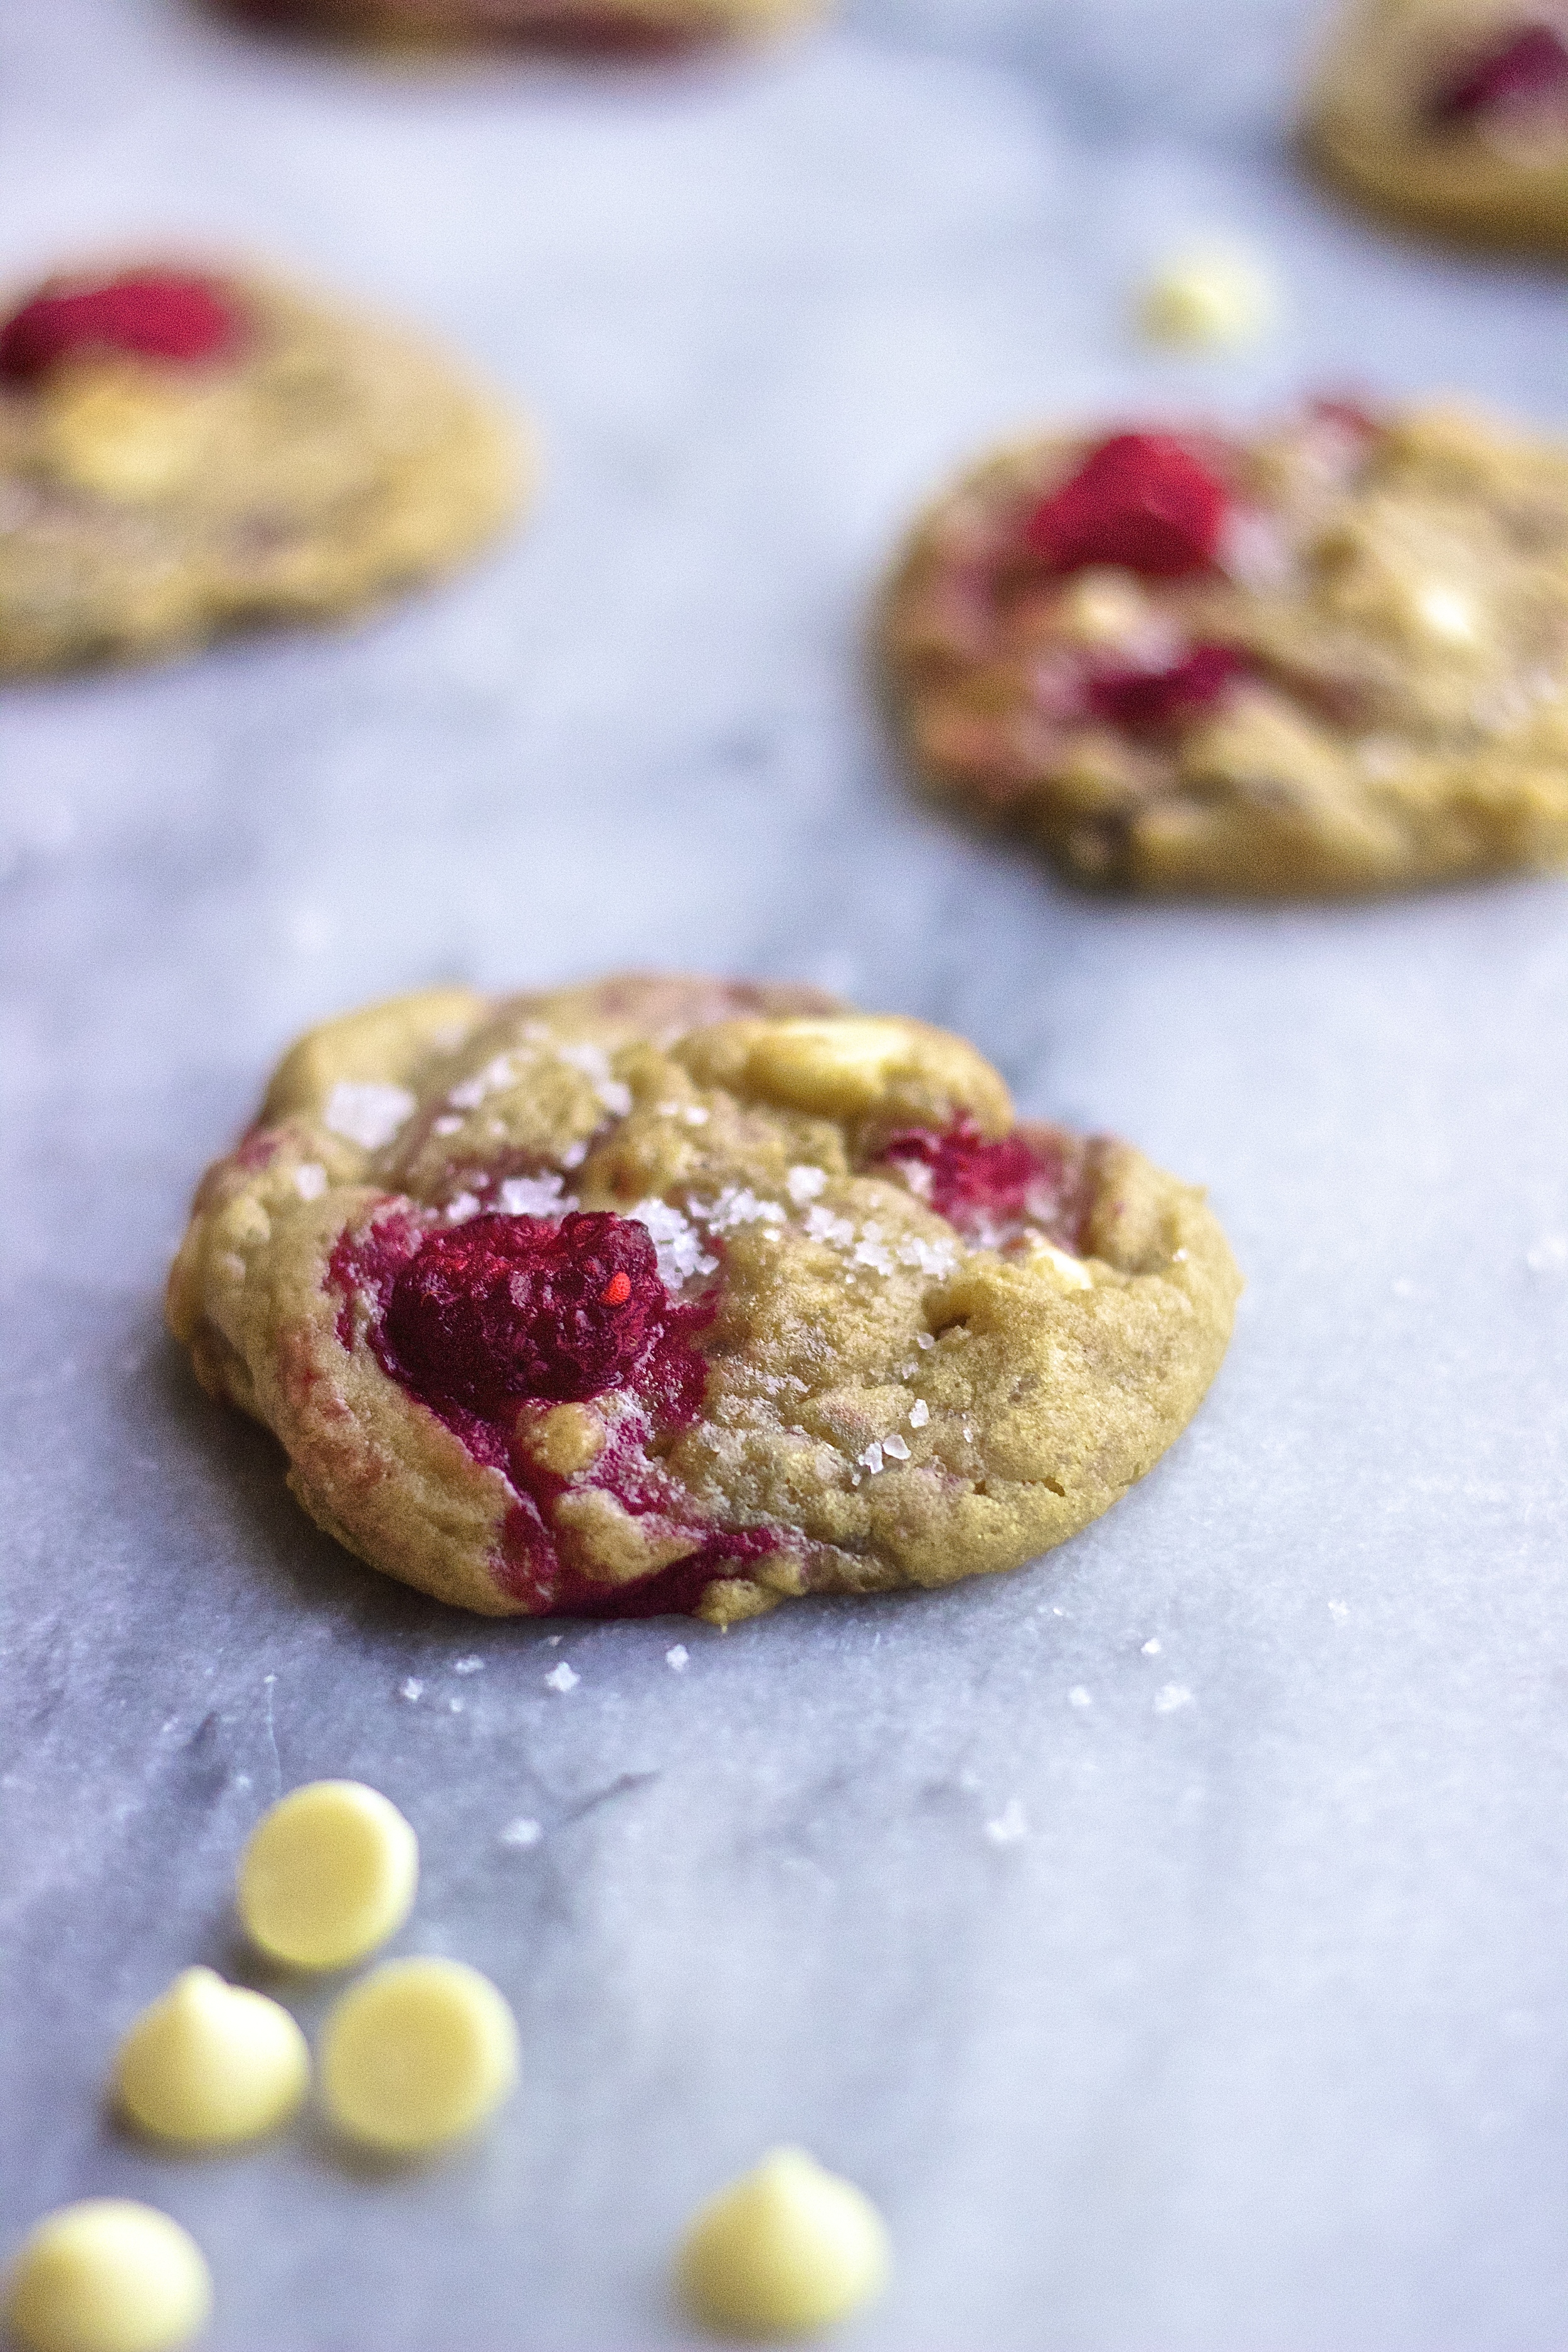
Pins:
x: 129, y: 437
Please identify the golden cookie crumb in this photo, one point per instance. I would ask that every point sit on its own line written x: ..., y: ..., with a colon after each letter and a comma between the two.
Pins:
x: 419, y: 2053
x: 209, y: 2064
x: 107, y: 2276
x: 1208, y: 295
x: 327, y: 1874
x: 786, y: 2249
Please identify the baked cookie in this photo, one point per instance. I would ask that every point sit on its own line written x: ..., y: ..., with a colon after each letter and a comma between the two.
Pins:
x: 1450, y: 115
x: 183, y: 452
x: 1328, y: 659
x: 673, y: 1295
x: 593, y: 25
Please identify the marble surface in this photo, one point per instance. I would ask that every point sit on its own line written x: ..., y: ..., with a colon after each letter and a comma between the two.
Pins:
x: 1171, y: 1936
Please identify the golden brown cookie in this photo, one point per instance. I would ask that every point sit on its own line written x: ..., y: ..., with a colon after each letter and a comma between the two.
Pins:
x: 674, y: 1295
x: 587, y: 26
x: 1332, y: 659
x: 182, y: 453
x: 1450, y: 115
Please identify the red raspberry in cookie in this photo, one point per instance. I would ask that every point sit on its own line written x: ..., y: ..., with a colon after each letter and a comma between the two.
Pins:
x: 154, y: 313
x: 1141, y: 501
x: 976, y: 1185
x: 519, y: 1306
x: 1149, y: 699
x: 1524, y: 72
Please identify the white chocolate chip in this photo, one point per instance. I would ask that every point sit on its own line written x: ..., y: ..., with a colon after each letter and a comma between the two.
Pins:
x: 1211, y: 295
x: 785, y: 2251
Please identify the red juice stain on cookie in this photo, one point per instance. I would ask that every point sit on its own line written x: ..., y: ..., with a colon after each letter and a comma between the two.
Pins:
x: 1141, y: 501
x: 976, y: 1185
x: 154, y: 313
x: 479, y: 1319
x: 1142, y: 700
x: 1522, y: 74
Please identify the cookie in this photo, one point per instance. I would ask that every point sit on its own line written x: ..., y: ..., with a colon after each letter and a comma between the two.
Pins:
x: 1327, y: 659
x: 1450, y: 115
x: 670, y: 1294
x: 182, y: 453
x: 593, y: 25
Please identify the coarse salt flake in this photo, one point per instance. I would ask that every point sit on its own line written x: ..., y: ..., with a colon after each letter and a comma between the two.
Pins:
x: 739, y: 1205
x: 676, y: 1240
x: 412, y: 1690
x: 535, y: 1196
x: 678, y: 1659
x: 561, y: 1678
x: 872, y: 1458
x: 367, y: 1114
x: 897, y: 1449
x: 1010, y: 1825
x: 310, y: 1179
x: 1170, y: 1697
x: 822, y: 1225
x: 803, y: 1185
x: 523, y: 1832
x: 920, y: 1414
x: 468, y: 1665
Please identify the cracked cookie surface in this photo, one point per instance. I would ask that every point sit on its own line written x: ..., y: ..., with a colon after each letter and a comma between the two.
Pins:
x: 672, y: 1295
x: 1450, y: 115
x: 1327, y: 659
x: 183, y: 454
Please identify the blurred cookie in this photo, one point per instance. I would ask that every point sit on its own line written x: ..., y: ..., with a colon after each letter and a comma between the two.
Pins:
x: 1450, y: 115
x: 185, y: 453
x: 589, y: 25
x: 673, y: 1295
x: 1329, y: 659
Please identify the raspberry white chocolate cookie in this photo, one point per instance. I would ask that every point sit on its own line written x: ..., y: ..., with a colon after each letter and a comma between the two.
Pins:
x: 587, y: 26
x: 1331, y: 659
x: 181, y: 453
x: 672, y: 1295
x: 1450, y: 115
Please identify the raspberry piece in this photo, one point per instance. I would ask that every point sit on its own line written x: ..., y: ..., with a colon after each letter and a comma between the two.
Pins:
x: 1519, y: 73
x: 1141, y: 501
x: 156, y: 312
x: 522, y: 1306
x: 1137, y: 698
x: 974, y: 1184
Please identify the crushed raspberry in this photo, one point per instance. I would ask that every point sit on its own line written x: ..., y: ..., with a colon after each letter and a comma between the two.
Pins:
x: 156, y: 312
x: 474, y: 1318
x: 1141, y: 501
x: 976, y: 1185
x: 1518, y: 74
x: 1140, y: 699
x: 519, y: 1306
